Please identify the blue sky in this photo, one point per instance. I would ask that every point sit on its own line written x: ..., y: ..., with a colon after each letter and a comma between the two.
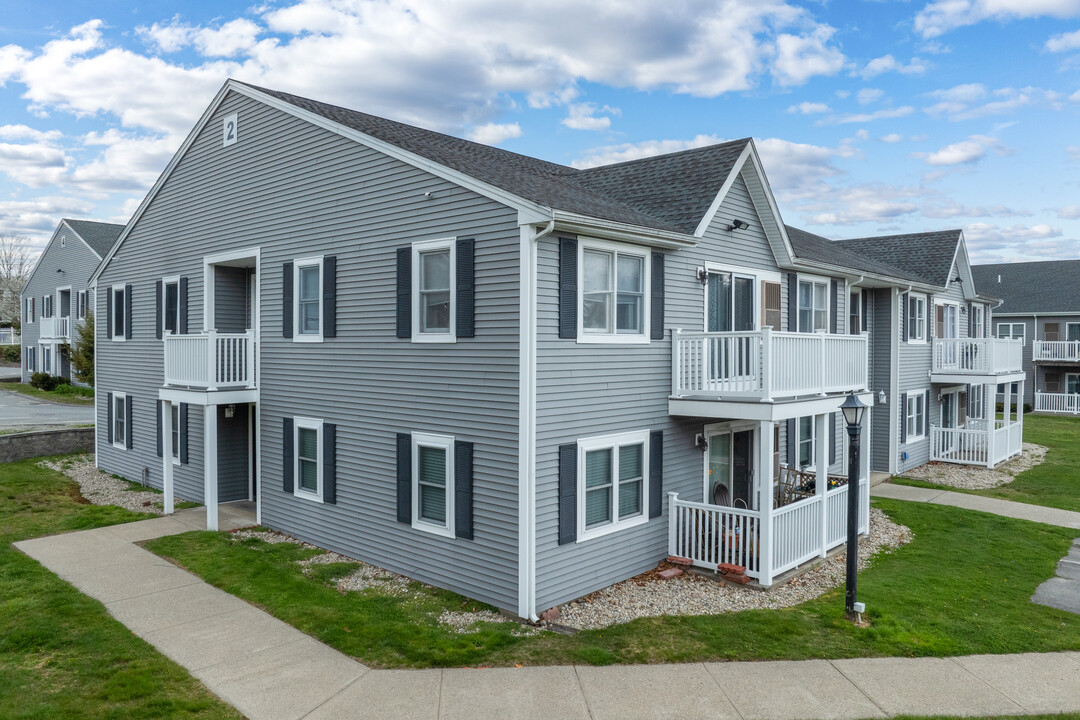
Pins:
x: 872, y: 117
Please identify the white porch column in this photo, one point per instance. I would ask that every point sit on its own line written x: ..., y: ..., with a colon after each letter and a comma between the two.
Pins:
x: 166, y: 455
x: 210, y: 471
x: 990, y: 412
x: 821, y: 463
x: 765, y: 502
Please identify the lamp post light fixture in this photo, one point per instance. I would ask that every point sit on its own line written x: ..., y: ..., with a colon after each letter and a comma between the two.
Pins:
x: 853, y: 410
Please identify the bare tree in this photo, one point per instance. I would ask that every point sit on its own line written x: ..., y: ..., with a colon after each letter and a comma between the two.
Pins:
x: 16, y: 262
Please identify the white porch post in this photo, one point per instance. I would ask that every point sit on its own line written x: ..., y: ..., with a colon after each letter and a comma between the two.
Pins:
x: 990, y: 411
x: 166, y: 455
x: 210, y: 472
x: 765, y: 502
x: 821, y: 462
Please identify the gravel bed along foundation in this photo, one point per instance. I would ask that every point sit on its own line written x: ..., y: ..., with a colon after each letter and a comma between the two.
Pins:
x: 648, y: 595
x: 100, y: 488
x: 970, y: 477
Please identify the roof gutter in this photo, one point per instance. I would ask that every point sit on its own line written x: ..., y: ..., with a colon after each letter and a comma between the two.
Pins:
x: 847, y: 273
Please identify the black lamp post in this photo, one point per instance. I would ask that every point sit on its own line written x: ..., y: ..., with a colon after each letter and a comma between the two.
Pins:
x: 853, y: 411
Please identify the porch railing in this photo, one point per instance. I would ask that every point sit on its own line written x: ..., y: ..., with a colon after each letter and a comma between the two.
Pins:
x: 1057, y: 403
x: 56, y: 328
x: 211, y: 360
x: 977, y: 356
x: 1059, y: 350
x: 766, y: 365
x: 9, y: 336
x: 970, y: 446
x: 710, y: 534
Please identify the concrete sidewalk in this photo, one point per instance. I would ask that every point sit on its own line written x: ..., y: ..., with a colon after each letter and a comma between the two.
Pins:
x: 270, y: 671
x: 1008, y: 508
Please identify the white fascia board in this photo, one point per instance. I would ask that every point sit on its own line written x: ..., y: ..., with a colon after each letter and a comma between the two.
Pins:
x: 611, y: 230
x: 761, y: 411
x: 838, y: 270
x: 76, y: 234
x: 714, y: 208
x: 969, y: 289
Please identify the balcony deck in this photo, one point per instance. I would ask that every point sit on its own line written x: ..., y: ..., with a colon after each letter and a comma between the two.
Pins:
x: 1060, y: 403
x: 55, y: 329
x: 211, y: 362
x: 977, y: 360
x: 1055, y: 351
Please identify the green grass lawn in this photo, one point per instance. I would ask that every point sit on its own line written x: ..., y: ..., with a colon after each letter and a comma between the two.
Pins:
x: 1055, y: 482
x: 64, y: 394
x: 61, y: 654
x: 961, y: 586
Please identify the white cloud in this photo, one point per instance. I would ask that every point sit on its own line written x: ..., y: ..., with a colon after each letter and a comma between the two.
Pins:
x: 801, y: 57
x: 888, y: 63
x: 953, y: 209
x: 494, y: 133
x: 869, y: 95
x: 37, y: 218
x: 966, y: 102
x: 127, y: 163
x: 869, y: 117
x: 863, y: 204
x: 1071, y: 212
x: 1075, y: 97
x: 989, y: 242
x: 809, y: 108
x: 33, y: 164
x: 25, y: 132
x: 965, y: 152
x: 582, y: 116
x: 941, y: 16
x: 892, y: 138
x: 624, y: 152
x: 1064, y: 42
x: 1073, y: 152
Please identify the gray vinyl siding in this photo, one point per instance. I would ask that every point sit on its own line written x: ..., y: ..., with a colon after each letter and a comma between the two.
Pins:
x: 883, y: 323
x: 297, y: 191
x: 78, y: 263
x: 233, y: 477
x: 231, y: 299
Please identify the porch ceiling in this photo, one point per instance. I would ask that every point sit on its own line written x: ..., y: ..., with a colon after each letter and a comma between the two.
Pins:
x: 204, y: 397
x: 760, y: 411
x: 973, y: 379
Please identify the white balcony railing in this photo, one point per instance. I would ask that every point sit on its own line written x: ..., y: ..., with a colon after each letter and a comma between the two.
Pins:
x: 1059, y: 350
x: 1068, y: 403
x: 766, y: 365
x: 211, y: 360
x: 9, y: 336
x: 976, y: 446
x: 56, y: 328
x: 978, y: 356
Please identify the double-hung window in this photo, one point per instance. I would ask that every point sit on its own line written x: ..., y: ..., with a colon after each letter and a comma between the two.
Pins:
x: 975, y: 402
x: 170, y: 306
x: 978, y: 321
x: 119, y: 312
x: 28, y: 313
x: 813, y: 305
x: 806, y: 441
x: 614, y: 295
x: 1015, y: 331
x: 855, y: 319
x: 119, y: 420
x: 916, y: 318
x: 308, y: 469
x: 613, y: 483
x: 174, y: 441
x: 307, y: 305
x: 47, y: 359
x: 1072, y: 332
x: 915, y: 416
x: 1072, y: 383
x: 433, y: 483
x: 434, y: 301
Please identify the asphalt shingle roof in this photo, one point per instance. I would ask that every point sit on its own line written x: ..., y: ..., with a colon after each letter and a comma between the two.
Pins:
x: 97, y: 235
x: 1032, y: 287
x: 814, y: 247
x: 668, y: 192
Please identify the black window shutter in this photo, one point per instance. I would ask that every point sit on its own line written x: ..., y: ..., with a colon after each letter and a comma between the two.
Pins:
x: 329, y: 475
x: 157, y: 404
x: 404, y: 298
x: 926, y: 415
x: 792, y: 443
x: 466, y: 288
x: 329, y: 308
x: 404, y: 476
x: 287, y: 468
x: 656, y: 320
x: 904, y: 319
x: 286, y: 300
x: 182, y: 306
x: 463, y: 489
x: 157, y: 313
x: 931, y: 318
x: 865, y: 309
x: 903, y: 417
x: 109, y: 313
x: 130, y: 429
x: 127, y: 313
x: 792, y: 302
x: 656, y: 473
x: 183, y: 433
x: 832, y: 438
x: 834, y: 307
x: 108, y: 416
x: 568, y: 288
x: 568, y: 492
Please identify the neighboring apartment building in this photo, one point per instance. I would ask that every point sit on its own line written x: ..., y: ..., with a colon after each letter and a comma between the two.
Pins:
x: 57, y: 295
x: 1040, y: 306
x: 502, y: 376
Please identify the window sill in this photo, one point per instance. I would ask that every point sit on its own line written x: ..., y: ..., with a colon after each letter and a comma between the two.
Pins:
x: 599, y: 532
x: 440, y: 338
x: 307, y: 338
x: 598, y: 339
x: 118, y: 338
x: 913, y: 440
x: 427, y: 527
x: 315, y: 497
x: 915, y: 342
x: 119, y: 446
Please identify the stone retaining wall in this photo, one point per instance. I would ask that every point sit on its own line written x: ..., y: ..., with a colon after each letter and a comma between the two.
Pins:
x: 20, y: 446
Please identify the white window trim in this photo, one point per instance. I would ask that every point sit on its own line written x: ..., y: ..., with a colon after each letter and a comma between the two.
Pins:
x: 758, y: 276
x: 1011, y: 325
x: 120, y: 397
x: 815, y: 279
x: 316, y: 262
x: 910, y: 414
x: 813, y: 444
x: 112, y: 319
x: 441, y: 442
x: 165, y: 283
x: 47, y: 360
x: 979, y: 313
x: 858, y: 310
x: 921, y: 339
x: 601, y: 443
x: 1068, y: 375
x: 616, y: 338
x: 947, y: 303
x: 414, y: 290
x: 72, y: 306
x: 28, y: 311
x: 1067, y: 326
x: 308, y: 424
x: 179, y: 429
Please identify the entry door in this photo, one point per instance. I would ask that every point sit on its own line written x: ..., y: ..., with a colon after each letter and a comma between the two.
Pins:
x: 742, y: 468
x: 730, y: 303
x: 948, y: 410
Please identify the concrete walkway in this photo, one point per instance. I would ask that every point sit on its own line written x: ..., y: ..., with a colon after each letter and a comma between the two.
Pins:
x: 270, y: 671
x: 1008, y: 508
x: 18, y: 410
x: 1063, y: 590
